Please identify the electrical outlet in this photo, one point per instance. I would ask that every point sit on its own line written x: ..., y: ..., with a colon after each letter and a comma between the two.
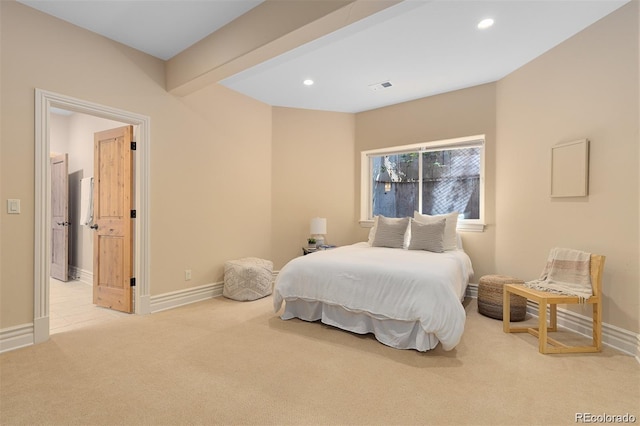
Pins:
x: 187, y: 274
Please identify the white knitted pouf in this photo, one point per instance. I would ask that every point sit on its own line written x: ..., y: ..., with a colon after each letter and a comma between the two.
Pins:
x: 248, y: 278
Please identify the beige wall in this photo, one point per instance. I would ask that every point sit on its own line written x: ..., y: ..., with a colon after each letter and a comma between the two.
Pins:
x: 587, y: 87
x: 313, y: 158
x: 210, y: 154
x: 220, y: 207
x: 461, y: 113
x: 233, y: 177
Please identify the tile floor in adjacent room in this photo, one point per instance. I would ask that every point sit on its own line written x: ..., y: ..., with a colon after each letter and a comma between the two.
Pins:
x: 71, y: 307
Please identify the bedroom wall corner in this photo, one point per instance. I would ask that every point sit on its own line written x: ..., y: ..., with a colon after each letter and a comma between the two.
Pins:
x: 223, y: 210
x: 586, y: 87
x: 313, y: 160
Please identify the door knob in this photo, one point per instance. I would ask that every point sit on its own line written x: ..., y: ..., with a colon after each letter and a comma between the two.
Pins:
x: 63, y: 223
x: 94, y: 226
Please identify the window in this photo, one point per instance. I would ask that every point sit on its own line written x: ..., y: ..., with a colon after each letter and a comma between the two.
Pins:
x: 432, y: 178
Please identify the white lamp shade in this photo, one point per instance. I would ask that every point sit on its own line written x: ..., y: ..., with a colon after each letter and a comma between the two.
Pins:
x: 318, y: 226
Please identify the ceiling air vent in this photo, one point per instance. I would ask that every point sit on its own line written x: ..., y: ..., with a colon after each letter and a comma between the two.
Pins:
x: 380, y: 86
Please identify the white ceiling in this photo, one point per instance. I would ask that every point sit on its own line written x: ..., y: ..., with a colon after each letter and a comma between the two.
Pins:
x: 423, y: 47
x: 161, y: 28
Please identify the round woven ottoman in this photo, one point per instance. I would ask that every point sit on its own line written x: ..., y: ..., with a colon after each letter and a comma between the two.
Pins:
x: 490, y: 297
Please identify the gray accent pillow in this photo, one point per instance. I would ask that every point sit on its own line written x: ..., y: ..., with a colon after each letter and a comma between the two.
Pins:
x: 428, y: 236
x: 450, y: 236
x: 390, y: 232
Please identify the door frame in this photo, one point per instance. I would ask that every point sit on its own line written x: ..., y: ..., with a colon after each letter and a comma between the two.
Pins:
x: 44, y: 101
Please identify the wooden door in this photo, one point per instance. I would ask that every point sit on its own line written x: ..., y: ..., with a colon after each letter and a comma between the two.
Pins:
x: 60, y: 217
x: 113, y: 225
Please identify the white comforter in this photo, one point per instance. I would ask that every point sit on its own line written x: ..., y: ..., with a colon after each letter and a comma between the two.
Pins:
x: 385, y: 283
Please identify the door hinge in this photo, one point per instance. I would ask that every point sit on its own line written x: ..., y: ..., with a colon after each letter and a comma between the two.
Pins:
x: 132, y: 282
x: 133, y: 214
x: 133, y: 146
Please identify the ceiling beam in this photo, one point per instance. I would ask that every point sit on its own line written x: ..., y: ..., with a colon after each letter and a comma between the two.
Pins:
x: 266, y: 31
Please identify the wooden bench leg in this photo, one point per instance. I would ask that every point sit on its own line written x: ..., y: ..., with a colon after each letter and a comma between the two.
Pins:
x: 597, y: 326
x: 542, y: 327
x: 553, y: 317
x: 506, y: 315
x: 506, y: 311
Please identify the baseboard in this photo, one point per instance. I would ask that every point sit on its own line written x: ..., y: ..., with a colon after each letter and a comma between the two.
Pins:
x: 612, y: 336
x: 472, y: 291
x: 145, y: 306
x: 16, y: 337
x: 81, y: 274
x: 623, y: 340
x: 174, y: 299
x: 171, y: 300
x: 41, y: 330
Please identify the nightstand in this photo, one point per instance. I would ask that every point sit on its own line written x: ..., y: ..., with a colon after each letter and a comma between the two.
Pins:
x: 307, y: 250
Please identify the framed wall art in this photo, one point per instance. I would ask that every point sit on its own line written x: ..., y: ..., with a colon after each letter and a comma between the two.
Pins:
x: 570, y: 169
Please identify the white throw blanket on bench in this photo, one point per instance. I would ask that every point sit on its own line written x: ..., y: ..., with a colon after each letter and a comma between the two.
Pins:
x: 567, y: 272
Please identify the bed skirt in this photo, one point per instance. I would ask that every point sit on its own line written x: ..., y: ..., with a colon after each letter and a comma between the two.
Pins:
x: 395, y: 333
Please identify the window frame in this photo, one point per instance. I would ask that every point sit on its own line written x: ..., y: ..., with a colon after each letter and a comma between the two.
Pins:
x: 366, y: 175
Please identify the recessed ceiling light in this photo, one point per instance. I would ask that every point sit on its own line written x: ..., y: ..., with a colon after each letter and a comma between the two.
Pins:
x: 485, y: 23
x: 308, y: 82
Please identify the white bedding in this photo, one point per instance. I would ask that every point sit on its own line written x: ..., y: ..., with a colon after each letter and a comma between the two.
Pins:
x: 390, y: 291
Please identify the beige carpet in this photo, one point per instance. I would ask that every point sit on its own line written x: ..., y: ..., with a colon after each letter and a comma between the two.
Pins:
x: 227, y: 362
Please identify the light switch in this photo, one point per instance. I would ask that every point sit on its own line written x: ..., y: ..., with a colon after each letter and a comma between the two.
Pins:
x: 13, y: 206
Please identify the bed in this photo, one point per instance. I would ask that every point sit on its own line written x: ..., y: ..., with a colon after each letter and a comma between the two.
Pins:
x: 409, y: 299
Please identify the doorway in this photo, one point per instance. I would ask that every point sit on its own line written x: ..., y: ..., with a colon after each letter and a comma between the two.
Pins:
x: 71, y: 138
x: 45, y: 101
x: 71, y: 306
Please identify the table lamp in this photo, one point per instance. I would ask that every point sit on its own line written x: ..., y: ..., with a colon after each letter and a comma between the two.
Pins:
x: 318, y: 229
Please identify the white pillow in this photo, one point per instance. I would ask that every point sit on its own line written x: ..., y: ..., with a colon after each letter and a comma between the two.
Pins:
x: 372, y: 231
x: 427, y: 236
x: 450, y: 238
x: 391, y: 232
